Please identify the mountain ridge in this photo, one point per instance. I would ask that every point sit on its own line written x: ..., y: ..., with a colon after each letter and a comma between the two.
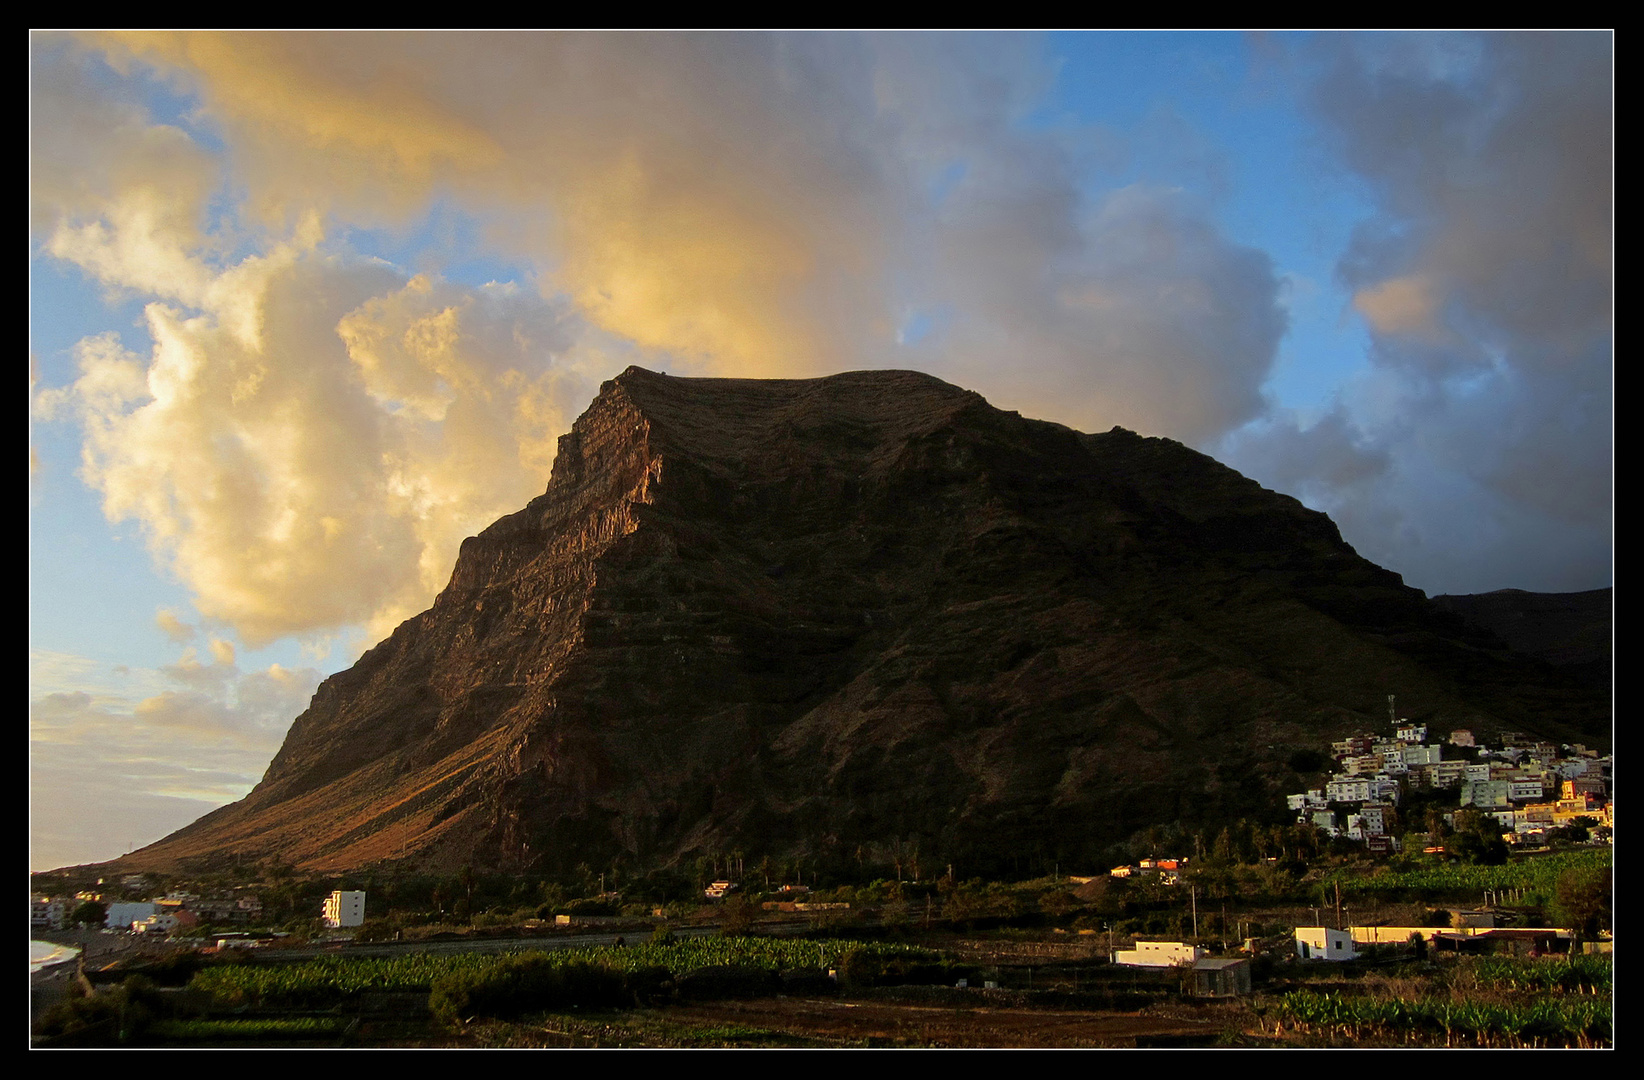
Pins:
x: 864, y: 610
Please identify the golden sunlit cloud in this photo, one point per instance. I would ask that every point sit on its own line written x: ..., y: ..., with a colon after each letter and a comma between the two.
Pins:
x: 320, y: 470
x: 173, y: 627
x: 313, y: 433
x: 1405, y: 305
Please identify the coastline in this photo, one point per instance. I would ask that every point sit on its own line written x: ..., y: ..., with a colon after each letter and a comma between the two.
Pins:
x: 45, y: 955
x: 50, y: 980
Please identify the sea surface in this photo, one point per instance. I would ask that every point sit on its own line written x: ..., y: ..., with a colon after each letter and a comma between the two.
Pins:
x: 44, y: 954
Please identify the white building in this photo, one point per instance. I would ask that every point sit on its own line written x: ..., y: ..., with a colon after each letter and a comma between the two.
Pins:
x: 1371, y: 820
x: 1443, y: 774
x: 1159, y: 954
x: 47, y: 912
x: 344, y: 909
x: 1342, y: 789
x: 1422, y: 755
x: 1326, y: 820
x: 155, y: 924
x: 1323, y: 943
x: 1486, y: 794
x: 1524, y: 790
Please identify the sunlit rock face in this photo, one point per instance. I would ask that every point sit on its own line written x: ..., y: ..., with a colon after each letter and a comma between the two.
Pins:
x: 859, y: 615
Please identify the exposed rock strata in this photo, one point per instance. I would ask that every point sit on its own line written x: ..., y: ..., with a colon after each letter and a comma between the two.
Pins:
x: 867, y: 610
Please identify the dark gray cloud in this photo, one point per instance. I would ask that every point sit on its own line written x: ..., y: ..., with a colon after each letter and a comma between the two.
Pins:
x: 1485, y: 280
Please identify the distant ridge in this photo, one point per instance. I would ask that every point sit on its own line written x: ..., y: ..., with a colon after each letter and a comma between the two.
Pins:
x: 1574, y: 631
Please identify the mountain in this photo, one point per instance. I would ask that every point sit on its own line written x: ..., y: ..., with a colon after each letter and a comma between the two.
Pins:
x: 1571, y: 631
x: 864, y: 613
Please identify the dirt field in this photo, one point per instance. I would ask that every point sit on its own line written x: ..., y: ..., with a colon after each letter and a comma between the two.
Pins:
x: 886, y: 1024
x: 827, y: 1022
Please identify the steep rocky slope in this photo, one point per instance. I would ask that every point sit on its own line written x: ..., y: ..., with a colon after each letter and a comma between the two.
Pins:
x: 866, y: 611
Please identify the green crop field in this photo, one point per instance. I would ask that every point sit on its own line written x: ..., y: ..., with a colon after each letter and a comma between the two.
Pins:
x: 324, y: 980
x: 1533, y: 874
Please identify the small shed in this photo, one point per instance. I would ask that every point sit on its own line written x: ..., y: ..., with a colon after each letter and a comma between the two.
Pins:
x: 1228, y: 977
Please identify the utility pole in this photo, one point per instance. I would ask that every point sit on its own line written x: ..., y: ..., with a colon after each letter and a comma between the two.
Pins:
x: 1193, y: 895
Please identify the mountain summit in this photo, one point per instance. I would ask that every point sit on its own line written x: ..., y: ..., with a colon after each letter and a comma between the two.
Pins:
x: 864, y: 612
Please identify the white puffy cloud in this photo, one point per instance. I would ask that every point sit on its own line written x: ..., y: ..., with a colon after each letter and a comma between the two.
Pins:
x: 307, y: 453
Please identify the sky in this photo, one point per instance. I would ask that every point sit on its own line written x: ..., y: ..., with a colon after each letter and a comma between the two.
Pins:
x: 308, y: 309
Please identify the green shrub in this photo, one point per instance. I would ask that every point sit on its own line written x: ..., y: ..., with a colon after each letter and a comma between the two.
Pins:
x: 535, y: 982
x: 869, y: 965
x: 126, y: 1010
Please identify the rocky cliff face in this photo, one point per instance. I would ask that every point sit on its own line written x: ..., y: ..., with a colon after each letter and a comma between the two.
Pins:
x: 867, y: 611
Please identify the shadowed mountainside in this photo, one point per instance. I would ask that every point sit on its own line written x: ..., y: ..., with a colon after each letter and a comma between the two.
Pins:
x: 862, y: 612
x: 1571, y: 631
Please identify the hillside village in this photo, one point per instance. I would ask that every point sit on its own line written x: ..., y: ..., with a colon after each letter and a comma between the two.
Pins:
x: 1528, y: 787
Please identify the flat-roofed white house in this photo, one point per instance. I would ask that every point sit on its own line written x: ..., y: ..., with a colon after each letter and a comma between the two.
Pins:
x: 1159, y: 954
x: 1323, y: 943
x: 344, y: 909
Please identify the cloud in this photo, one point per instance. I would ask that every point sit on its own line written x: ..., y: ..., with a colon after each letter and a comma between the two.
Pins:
x: 172, y: 627
x: 1485, y: 280
x: 1328, y: 457
x: 247, y: 709
x: 1404, y: 305
x: 706, y: 194
x: 313, y: 433
x: 308, y: 452
x: 110, y: 190
x: 1139, y: 313
x: 157, y: 748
